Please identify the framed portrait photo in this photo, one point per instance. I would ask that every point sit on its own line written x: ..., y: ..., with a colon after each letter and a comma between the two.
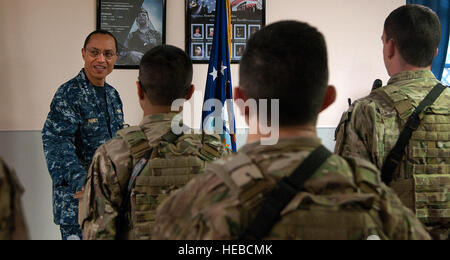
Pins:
x: 210, y: 31
x: 138, y: 25
x: 238, y: 50
x: 247, y: 17
x: 208, y: 50
x: 197, y: 31
x: 252, y: 29
x: 198, y: 51
x: 240, y: 32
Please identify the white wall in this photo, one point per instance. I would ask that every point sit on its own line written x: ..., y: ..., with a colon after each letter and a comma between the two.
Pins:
x: 353, y: 30
x: 40, y: 48
x: 41, y: 41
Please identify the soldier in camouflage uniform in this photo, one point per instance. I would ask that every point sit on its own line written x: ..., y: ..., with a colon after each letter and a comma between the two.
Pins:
x: 372, y: 125
x: 165, y: 75
x: 85, y: 113
x: 344, y: 198
x: 12, y: 220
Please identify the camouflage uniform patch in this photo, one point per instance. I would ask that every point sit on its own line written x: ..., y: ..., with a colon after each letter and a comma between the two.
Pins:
x: 372, y: 126
x: 12, y: 220
x: 74, y: 129
x: 170, y: 166
x: 344, y: 199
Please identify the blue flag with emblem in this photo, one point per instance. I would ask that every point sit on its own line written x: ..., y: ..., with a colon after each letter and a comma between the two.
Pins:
x: 218, y: 91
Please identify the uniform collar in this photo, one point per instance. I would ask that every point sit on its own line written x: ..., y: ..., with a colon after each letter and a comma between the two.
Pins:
x: 84, y: 79
x: 285, y: 144
x: 158, y: 118
x: 410, y: 75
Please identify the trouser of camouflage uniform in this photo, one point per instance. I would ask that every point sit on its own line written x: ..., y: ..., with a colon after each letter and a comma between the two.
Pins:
x: 71, y: 232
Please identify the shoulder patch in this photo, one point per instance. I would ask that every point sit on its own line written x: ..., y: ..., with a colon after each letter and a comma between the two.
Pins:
x: 122, y: 132
x: 136, y: 139
x: 236, y: 171
x: 366, y: 174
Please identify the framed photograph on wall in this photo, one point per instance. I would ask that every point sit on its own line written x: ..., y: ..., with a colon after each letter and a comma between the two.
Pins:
x: 252, y: 29
x: 208, y: 50
x: 197, y: 50
x: 240, y: 32
x: 238, y: 50
x: 197, y: 31
x: 210, y: 31
x: 138, y: 25
x: 247, y: 17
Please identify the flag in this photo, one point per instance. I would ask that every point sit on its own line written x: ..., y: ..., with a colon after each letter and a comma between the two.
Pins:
x: 218, y: 83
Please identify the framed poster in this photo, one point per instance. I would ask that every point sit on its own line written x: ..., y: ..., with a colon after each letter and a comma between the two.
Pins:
x: 247, y: 17
x: 138, y: 25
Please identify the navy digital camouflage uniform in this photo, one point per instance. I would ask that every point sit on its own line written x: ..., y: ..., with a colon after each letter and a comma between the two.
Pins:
x: 76, y: 126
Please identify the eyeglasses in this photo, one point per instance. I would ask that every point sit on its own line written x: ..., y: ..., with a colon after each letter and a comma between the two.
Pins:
x: 94, y: 53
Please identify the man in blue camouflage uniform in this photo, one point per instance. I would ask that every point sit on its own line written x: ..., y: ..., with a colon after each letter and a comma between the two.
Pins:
x: 85, y: 113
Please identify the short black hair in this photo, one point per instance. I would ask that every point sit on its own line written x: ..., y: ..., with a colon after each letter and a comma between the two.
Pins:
x: 165, y: 74
x: 100, y: 31
x: 416, y: 31
x: 287, y: 61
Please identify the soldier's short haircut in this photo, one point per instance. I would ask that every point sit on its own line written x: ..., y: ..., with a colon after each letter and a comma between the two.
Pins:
x: 165, y: 74
x: 100, y: 31
x: 416, y: 31
x: 287, y: 61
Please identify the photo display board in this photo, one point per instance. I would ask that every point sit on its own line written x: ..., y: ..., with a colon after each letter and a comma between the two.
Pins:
x: 247, y: 17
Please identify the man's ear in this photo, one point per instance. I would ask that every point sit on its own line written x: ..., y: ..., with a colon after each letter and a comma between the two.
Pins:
x: 239, y: 93
x: 391, y: 48
x: 437, y: 52
x: 190, y: 92
x: 82, y: 53
x: 140, y: 91
x: 329, y: 98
